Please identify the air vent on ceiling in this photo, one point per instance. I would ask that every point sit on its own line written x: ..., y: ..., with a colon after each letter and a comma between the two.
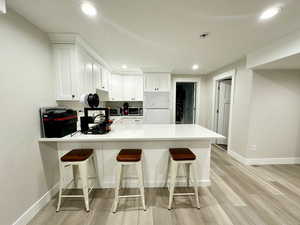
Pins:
x: 204, y: 35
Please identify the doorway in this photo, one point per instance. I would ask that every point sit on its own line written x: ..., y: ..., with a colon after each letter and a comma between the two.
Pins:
x: 185, y: 107
x: 223, y: 103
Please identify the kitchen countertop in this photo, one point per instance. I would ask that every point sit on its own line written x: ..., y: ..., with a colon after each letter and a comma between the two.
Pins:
x: 144, y: 132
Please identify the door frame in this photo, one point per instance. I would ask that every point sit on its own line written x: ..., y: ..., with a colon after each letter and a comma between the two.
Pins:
x: 197, y: 86
x: 227, y: 75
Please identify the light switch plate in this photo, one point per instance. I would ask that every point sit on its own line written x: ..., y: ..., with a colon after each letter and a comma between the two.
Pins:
x: 3, y: 6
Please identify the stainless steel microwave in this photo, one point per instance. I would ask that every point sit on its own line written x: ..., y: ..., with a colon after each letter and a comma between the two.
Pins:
x: 135, y: 111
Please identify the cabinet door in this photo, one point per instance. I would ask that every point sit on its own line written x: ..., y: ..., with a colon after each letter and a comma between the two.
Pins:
x: 157, y: 82
x: 139, y: 95
x: 97, y: 75
x: 64, y: 72
x: 87, y: 75
x: 164, y: 82
x: 105, y: 79
x: 116, y: 89
x: 129, y: 88
x: 151, y: 82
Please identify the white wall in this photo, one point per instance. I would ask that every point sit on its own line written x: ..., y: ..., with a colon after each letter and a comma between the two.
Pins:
x: 26, y: 83
x: 266, y: 113
x: 241, y: 105
x: 274, y: 126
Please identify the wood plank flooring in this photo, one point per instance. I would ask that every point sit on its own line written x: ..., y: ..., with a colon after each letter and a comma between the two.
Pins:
x: 241, y: 195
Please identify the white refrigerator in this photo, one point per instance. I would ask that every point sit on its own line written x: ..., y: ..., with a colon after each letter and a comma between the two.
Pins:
x: 157, y: 108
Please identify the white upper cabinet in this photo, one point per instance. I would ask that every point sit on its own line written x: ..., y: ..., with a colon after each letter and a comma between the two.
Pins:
x: 65, y: 72
x: 78, y: 69
x: 105, y: 79
x: 116, y: 88
x: 126, y: 88
x: 97, y: 72
x: 155, y: 82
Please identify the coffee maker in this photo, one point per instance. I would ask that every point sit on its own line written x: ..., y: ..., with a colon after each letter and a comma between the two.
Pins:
x: 125, y: 109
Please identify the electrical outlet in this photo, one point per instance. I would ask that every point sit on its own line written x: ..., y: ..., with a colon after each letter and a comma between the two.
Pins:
x: 252, y: 148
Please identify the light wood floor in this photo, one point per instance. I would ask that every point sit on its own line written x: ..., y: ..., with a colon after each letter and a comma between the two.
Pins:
x: 238, y: 195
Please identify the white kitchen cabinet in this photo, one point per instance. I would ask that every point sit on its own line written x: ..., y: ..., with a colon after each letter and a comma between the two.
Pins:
x: 105, y: 78
x: 126, y: 88
x: 77, y: 70
x: 116, y: 88
x: 97, y: 73
x: 86, y: 75
x: 155, y: 82
x: 65, y: 69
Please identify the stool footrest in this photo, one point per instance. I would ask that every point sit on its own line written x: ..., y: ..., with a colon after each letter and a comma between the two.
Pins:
x: 183, y: 194
x: 130, y: 196
x: 72, y: 196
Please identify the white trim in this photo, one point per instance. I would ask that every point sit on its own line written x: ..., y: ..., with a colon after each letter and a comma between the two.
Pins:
x: 238, y: 157
x: 36, y: 207
x: 263, y: 161
x: 198, y: 86
x: 273, y: 161
x: 229, y: 74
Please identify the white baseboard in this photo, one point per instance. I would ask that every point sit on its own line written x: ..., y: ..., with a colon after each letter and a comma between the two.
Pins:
x: 238, y: 157
x: 263, y: 161
x: 36, y: 207
x: 272, y: 161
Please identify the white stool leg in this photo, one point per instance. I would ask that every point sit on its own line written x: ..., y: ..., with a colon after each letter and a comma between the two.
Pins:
x: 84, y: 179
x: 95, y: 171
x: 61, y: 183
x: 187, y: 169
x: 195, y: 182
x: 174, y: 167
x: 75, y: 175
x: 117, y: 188
x: 141, y: 181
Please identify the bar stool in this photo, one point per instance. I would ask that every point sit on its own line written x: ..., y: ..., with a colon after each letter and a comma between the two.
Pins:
x: 129, y: 157
x: 186, y: 157
x: 79, y: 160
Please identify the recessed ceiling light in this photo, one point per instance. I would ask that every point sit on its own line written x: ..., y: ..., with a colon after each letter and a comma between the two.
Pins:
x: 195, y: 67
x: 88, y: 9
x: 124, y: 67
x: 269, y: 13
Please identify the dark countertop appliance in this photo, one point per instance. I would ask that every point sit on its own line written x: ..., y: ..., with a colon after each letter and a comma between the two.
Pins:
x: 58, y: 122
x: 97, y: 124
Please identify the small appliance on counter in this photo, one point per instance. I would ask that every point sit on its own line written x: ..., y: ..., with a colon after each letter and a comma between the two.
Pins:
x: 99, y: 122
x: 115, y: 112
x: 58, y: 122
x: 135, y: 111
x: 125, y: 109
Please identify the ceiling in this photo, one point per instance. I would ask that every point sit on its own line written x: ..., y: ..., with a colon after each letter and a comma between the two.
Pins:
x: 165, y: 34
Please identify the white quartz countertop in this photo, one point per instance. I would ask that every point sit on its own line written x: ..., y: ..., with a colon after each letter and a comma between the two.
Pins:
x: 144, y: 132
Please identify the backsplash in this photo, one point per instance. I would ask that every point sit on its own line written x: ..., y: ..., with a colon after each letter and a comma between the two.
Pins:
x: 120, y: 104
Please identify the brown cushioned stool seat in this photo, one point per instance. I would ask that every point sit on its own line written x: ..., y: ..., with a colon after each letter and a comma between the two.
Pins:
x: 129, y: 155
x: 182, y: 154
x: 77, y: 155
